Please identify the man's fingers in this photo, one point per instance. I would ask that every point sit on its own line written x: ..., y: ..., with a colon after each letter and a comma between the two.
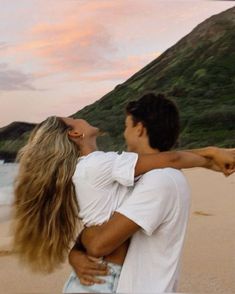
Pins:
x: 92, y: 272
x: 98, y: 266
x: 94, y: 259
x: 85, y: 280
x: 94, y: 265
x: 91, y: 269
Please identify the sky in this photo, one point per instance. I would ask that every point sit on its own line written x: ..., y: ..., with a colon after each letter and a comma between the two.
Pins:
x: 57, y: 56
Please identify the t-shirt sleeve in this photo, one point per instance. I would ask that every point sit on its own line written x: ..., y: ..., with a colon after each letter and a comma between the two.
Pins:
x: 151, y: 202
x: 107, y: 167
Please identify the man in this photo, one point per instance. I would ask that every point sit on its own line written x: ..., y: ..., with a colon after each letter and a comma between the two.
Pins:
x: 155, y: 212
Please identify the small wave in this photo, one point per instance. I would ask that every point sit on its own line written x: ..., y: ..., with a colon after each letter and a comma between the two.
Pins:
x: 8, y: 173
x: 6, y: 195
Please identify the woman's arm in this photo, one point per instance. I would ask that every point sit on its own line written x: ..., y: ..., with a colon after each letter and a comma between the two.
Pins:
x: 210, y: 157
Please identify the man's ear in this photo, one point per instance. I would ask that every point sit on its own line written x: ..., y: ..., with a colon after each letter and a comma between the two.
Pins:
x: 140, y: 129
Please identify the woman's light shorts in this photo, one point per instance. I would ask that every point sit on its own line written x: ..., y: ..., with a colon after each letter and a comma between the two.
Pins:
x: 73, y: 284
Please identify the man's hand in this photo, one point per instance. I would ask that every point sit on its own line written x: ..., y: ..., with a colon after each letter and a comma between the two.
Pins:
x: 87, y: 268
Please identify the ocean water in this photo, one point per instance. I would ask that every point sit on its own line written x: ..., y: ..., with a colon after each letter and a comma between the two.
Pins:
x: 8, y: 172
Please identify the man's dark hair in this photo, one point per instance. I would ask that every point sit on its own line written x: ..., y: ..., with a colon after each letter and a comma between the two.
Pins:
x: 160, y: 117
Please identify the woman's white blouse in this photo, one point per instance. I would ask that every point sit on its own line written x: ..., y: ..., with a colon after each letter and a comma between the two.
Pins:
x: 101, y: 181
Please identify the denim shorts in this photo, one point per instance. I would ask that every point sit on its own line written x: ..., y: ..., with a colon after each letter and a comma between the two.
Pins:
x: 73, y: 284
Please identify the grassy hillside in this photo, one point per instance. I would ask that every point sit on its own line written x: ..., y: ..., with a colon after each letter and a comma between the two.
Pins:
x: 198, y: 73
x: 12, y: 138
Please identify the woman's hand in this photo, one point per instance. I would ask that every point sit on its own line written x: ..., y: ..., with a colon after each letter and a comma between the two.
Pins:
x: 87, y: 267
x: 222, y: 160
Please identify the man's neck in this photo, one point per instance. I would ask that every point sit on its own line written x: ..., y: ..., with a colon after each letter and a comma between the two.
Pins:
x: 146, y: 149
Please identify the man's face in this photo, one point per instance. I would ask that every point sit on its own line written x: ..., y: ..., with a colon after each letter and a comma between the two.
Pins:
x: 131, y: 134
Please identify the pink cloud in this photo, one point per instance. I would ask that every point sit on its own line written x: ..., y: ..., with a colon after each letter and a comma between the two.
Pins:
x: 123, y: 68
x: 84, y: 38
x: 70, y: 46
x: 82, y: 44
x: 86, y: 50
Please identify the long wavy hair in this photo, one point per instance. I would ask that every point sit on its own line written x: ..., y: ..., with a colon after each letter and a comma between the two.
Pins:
x: 45, y: 208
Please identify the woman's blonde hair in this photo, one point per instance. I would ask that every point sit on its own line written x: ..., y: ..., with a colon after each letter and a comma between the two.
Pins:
x: 45, y: 207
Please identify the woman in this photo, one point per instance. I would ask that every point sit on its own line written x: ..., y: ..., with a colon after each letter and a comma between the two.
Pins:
x: 46, y: 205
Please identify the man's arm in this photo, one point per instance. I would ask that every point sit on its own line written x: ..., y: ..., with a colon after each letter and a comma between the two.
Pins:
x: 99, y: 241
x: 103, y: 240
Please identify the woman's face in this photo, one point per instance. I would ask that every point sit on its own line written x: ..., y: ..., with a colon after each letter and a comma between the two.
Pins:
x: 81, y: 126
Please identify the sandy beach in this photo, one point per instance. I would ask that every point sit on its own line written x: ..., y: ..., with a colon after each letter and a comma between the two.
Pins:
x: 208, y: 263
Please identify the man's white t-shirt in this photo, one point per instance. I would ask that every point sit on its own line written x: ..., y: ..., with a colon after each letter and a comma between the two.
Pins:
x: 101, y: 182
x: 159, y: 204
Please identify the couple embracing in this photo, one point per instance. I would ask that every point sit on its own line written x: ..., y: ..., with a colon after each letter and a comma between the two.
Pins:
x: 133, y: 206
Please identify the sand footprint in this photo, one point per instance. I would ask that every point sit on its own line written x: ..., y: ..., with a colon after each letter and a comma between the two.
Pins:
x: 202, y: 213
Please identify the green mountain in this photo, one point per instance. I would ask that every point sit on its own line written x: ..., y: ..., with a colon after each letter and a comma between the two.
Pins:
x: 12, y: 138
x: 198, y: 73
